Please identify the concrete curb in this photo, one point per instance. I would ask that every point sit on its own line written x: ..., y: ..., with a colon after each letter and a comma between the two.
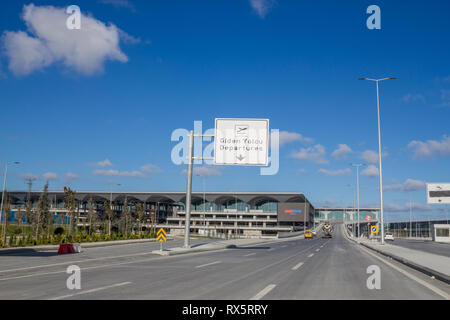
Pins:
x: 47, y: 248
x: 413, y: 265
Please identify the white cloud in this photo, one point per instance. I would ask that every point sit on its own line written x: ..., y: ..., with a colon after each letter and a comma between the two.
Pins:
x: 288, y: 137
x: 49, y: 41
x: 262, y: 7
x: 410, y: 97
x: 390, y: 207
x: 120, y: 4
x: 408, y: 185
x: 372, y: 156
x: 50, y: 176
x: 445, y: 97
x: 144, y: 171
x: 102, y: 164
x: 341, y: 152
x: 69, y: 176
x: 315, y: 154
x: 205, y: 171
x: 28, y: 176
x: 334, y: 173
x: 370, y: 171
x: 117, y: 173
x: 300, y: 171
x: 430, y: 148
x: 150, y: 169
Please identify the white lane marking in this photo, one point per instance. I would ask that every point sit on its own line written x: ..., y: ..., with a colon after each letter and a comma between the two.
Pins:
x: 208, y: 264
x: 263, y: 292
x: 271, y: 249
x: 284, y: 246
x: 317, y: 250
x: 250, y: 254
x: 91, y: 290
x: 297, y: 266
x: 409, y: 275
x: 310, y: 255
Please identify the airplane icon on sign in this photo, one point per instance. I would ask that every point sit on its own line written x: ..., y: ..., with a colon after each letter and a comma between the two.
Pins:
x: 241, y: 130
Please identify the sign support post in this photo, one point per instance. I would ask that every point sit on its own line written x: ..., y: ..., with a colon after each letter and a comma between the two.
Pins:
x: 189, y: 190
x: 241, y: 142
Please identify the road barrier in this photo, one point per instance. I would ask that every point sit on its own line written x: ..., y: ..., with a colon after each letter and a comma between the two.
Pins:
x: 67, y: 248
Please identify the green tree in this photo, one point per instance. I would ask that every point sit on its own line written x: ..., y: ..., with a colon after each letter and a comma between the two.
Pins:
x: 19, y: 216
x: 126, y: 213
x: 29, y: 213
x: 109, y: 215
x: 6, y: 212
x: 70, y: 204
x: 43, y: 211
x: 91, y: 216
x: 140, y: 215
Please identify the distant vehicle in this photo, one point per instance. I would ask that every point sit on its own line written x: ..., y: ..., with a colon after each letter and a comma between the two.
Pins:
x: 389, y: 236
x: 308, y: 234
x: 327, y: 230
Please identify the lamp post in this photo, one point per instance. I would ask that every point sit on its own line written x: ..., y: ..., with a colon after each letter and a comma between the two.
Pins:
x: 379, y: 153
x: 3, y: 192
x: 357, y: 165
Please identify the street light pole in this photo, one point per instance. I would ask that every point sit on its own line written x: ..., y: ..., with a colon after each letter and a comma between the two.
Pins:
x: 3, y: 194
x: 357, y: 165
x: 379, y: 154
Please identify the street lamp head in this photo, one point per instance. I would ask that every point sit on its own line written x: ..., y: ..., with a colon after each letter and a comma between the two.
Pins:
x: 361, y: 78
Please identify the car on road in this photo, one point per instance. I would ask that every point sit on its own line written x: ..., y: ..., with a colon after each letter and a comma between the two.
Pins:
x: 308, y: 234
x: 389, y: 236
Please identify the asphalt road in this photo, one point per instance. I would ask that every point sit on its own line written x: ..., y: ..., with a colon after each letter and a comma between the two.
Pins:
x: 293, y: 269
x: 442, y: 249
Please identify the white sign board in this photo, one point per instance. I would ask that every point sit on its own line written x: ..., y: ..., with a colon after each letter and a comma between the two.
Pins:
x: 438, y: 193
x: 241, y: 142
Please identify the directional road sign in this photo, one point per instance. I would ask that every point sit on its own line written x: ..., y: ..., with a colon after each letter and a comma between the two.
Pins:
x: 241, y: 142
x: 374, y: 229
x: 368, y: 218
x: 438, y: 193
x: 161, y: 235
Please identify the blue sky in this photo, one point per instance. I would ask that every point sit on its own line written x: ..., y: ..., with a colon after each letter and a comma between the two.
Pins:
x: 87, y: 109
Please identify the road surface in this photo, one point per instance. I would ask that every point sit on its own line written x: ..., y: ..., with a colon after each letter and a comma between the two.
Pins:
x: 290, y: 269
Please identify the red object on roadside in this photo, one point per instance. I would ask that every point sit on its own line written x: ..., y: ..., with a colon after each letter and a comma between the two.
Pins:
x: 66, y: 248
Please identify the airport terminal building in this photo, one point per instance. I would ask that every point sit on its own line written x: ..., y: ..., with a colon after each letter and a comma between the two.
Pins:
x: 218, y: 214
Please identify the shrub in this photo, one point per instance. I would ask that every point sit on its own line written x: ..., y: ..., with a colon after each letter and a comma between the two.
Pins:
x: 17, y: 231
x: 59, y: 231
x: 28, y: 240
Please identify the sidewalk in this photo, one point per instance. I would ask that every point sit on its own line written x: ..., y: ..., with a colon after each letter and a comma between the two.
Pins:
x: 431, y: 264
